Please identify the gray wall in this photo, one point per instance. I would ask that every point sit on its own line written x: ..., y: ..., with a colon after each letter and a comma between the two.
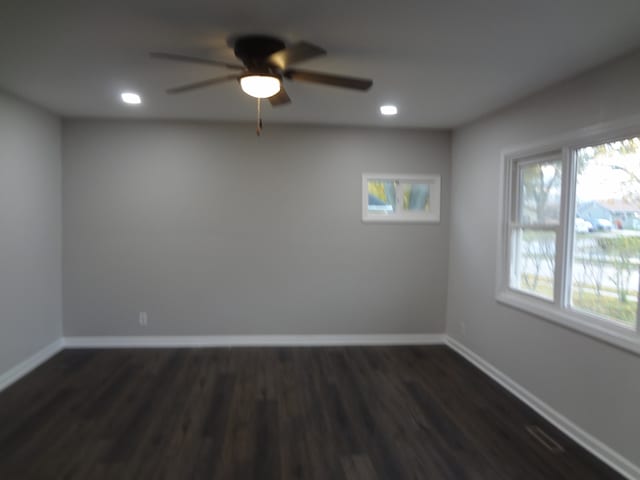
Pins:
x: 212, y: 230
x: 595, y: 385
x: 30, y: 231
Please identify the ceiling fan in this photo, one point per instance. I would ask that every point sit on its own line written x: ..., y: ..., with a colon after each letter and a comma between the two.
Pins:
x: 267, y: 62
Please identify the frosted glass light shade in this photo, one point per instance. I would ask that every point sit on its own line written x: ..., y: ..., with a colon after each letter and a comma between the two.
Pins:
x: 260, y: 86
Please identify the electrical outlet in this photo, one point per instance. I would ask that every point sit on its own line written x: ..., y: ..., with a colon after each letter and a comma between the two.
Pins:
x: 143, y: 319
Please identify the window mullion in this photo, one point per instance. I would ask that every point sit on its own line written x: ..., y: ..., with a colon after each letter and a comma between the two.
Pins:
x: 565, y: 232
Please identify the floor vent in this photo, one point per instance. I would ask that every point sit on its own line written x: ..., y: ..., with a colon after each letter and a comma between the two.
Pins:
x: 543, y: 438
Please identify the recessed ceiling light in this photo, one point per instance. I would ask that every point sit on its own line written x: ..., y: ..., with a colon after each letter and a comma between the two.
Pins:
x: 388, y: 110
x: 131, y: 98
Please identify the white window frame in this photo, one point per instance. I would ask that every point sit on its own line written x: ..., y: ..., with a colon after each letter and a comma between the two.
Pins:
x: 401, y: 215
x: 558, y: 310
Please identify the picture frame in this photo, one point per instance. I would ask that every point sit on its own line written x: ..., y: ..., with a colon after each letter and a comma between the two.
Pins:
x: 400, y: 198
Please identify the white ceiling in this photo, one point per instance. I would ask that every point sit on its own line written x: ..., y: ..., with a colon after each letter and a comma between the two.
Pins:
x: 443, y: 62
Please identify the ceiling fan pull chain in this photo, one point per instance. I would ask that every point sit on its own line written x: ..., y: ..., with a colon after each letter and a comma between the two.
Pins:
x: 259, y: 125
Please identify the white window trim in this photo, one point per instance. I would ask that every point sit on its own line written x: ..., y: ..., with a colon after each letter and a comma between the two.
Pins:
x: 552, y: 311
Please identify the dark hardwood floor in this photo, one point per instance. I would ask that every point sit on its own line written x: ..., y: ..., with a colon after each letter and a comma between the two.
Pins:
x: 274, y: 413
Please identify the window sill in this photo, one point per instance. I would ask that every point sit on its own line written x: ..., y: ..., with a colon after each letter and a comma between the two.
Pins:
x: 618, y: 337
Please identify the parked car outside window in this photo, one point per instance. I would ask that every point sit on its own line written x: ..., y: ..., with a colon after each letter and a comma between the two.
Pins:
x: 583, y: 226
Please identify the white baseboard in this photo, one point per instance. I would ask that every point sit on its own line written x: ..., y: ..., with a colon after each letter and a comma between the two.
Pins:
x: 20, y: 370
x: 253, y: 341
x: 587, y: 441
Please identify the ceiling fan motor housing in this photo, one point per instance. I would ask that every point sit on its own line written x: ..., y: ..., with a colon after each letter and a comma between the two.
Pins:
x: 254, y: 50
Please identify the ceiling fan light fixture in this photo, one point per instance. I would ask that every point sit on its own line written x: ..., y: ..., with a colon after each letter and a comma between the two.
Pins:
x: 260, y: 85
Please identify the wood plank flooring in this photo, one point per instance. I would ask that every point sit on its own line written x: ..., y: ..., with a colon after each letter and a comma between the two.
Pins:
x: 345, y: 413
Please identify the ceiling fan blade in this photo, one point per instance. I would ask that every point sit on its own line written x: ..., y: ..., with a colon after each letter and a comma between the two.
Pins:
x: 328, y: 79
x: 187, y: 59
x: 280, y: 98
x: 202, y: 84
x: 298, y: 52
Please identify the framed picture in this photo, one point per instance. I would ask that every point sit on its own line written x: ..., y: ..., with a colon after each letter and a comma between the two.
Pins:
x: 400, y: 198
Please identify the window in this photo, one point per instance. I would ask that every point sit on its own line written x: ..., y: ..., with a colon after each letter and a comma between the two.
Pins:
x: 570, y: 246
x: 536, y: 225
x: 400, y: 198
